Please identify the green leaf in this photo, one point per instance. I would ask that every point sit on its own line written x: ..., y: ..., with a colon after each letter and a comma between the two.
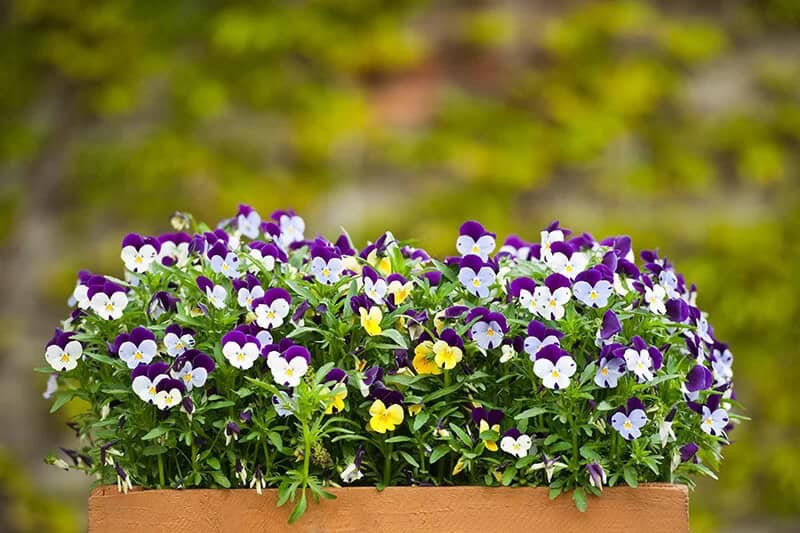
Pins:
x: 508, y: 475
x: 220, y: 405
x: 419, y: 421
x: 101, y: 358
x: 156, y: 432
x: 409, y: 459
x: 555, y: 492
x: 213, y: 462
x: 221, y: 479
x: 604, y: 406
x: 588, y: 452
x: 631, y: 477
x: 461, y: 434
x: 442, y: 392
x: 275, y: 439
x: 579, y: 497
x: 530, y: 413
x: 396, y: 337
x: 61, y: 400
x: 299, y: 509
x: 154, y: 449
x: 399, y: 438
x: 438, y: 453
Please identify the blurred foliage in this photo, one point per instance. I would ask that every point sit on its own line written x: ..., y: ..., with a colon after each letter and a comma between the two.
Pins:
x: 677, y: 122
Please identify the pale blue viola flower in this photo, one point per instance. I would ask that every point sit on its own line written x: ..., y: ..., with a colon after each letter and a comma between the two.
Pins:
x: 138, y: 252
x: 291, y: 226
x: 564, y: 259
x: 326, y: 264
x: 224, y: 261
x: 216, y: 294
x: 669, y: 280
x: 272, y: 308
x: 551, y: 298
x: 476, y: 275
x: 473, y: 239
x: 248, y: 221
x: 610, y: 369
x: 538, y: 337
x: 642, y: 360
x: 593, y: 287
x: 146, y: 377
x: 63, y: 352
x: 247, y: 291
x: 177, y: 340
x: 192, y: 368
x: 489, y: 329
x: 284, y: 404
x: 714, y: 422
x: 630, y: 420
x: 722, y: 364
x: 137, y: 347
x: 375, y: 287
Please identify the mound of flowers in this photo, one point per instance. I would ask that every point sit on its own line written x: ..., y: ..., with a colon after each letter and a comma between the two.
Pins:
x: 251, y: 356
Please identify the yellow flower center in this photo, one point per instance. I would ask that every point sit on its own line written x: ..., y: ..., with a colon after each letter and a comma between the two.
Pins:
x: 240, y: 356
x: 64, y: 358
x: 553, y: 302
x: 490, y: 332
x: 138, y: 356
x: 627, y: 424
x: 326, y: 272
x: 109, y: 306
x: 476, y: 282
x: 593, y: 295
x: 138, y: 260
x: 289, y: 372
x: 555, y: 374
x: 604, y: 371
x: 475, y: 249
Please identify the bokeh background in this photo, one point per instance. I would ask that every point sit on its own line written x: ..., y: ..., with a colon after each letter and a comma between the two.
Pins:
x: 677, y: 122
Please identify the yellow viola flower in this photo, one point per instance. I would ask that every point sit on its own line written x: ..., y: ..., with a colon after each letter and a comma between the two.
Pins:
x: 400, y: 290
x: 371, y: 321
x: 446, y: 356
x: 414, y: 410
x: 424, y: 359
x: 336, y: 404
x: 385, y: 418
x: 382, y: 265
x: 484, y: 426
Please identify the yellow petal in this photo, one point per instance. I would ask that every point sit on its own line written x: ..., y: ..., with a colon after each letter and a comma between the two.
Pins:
x: 377, y: 408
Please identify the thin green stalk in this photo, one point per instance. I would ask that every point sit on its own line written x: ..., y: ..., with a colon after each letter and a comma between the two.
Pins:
x: 387, y: 465
x: 161, y: 471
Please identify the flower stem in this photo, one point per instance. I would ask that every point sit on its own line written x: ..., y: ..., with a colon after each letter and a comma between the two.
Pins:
x: 306, y: 452
x: 387, y: 465
x: 160, y: 471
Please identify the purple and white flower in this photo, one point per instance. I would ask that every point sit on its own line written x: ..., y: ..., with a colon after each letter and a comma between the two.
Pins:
x: 192, y: 368
x: 63, y: 352
x: 654, y: 296
x: 697, y: 380
x: 550, y: 465
x: 240, y: 350
x: 523, y: 289
x: 551, y: 297
x: 108, y: 299
x: 564, y: 259
x: 630, y: 420
x: 554, y: 367
x: 272, y: 308
x: 609, y: 327
x: 611, y: 366
x: 146, y: 377
x: 549, y: 236
x: 216, y: 294
x: 488, y: 330
x: 177, y: 340
x: 352, y: 471
x: 139, y: 252
x: 722, y: 364
x: 289, y: 367
x: 593, y: 287
x: 169, y: 393
x: 247, y: 291
x: 597, y: 476
x: 473, y: 239
x: 265, y: 254
x: 714, y: 422
x: 224, y: 261
x: 291, y: 226
x: 248, y: 221
x: 515, y: 443
x: 326, y: 264
x: 137, y: 347
x: 538, y: 337
x: 476, y: 275
x: 174, y: 249
x: 642, y: 360
x: 375, y: 287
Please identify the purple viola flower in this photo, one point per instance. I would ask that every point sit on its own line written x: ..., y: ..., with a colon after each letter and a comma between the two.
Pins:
x: 174, y: 249
x: 247, y: 291
x: 630, y: 420
x: 263, y: 336
x: 476, y: 275
x: 145, y: 378
x: 240, y: 350
x: 107, y: 298
x: 336, y: 375
x: 538, y: 337
x: 178, y: 339
x: 714, y: 419
x: 63, y: 352
x: 216, y: 294
x: 677, y: 310
x: 564, y: 259
x: 224, y: 261
x: 248, y: 221
x: 326, y: 264
x: 609, y: 327
x: 698, y: 379
x: 642, y: 360
x: 488, y: 328
x: 473, y: 239
x: 550, y: 299
x: 597, y: 476
x: 137, y: 347
x: 374, y: 286
x: 523, y: 289
x: 554, y: 367
x: 292, y: 227
x: 232, y: 431
x: 722, y: 364
x: 169, y: 393
x: 434, y: 277
x: 689, y: 452
x: 272, y: 308
x: 80, y: 295
x: 550, y: 235
x: 162, y: 302
x: 515, y: 247
x: 371, y: 376
x: 298, y: 317
x: 138, y: 252
x: 193, y: 368
x: 289, y: 366
x: 387, y: 396
x: 592, y: 288
x: 610, y: 368
x: 266, y: 255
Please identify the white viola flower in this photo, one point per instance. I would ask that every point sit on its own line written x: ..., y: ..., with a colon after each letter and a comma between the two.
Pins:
x: 476, y: 276
x: 177, y: 340
x: 669, y: 281
x: 272, y: 308
x: 591, y: 289
x: 248, y: 222
x: 246, y: 296
x: 555, y: 375
x: 629, y: 423
x: 291, y: 226
x: 227, y: 265
x: 190, y: 377
x: 63, y: 352
x: 263, y: 253
x: 714, y: 422
x: 109, y: 307
x: 146, y: 378
x: 665, y: 431
x: 170, y: 393
x: 566, y: 261
x: 174, y: 249
x: 284, y: 404
x: 622, y: 285
x: 138, y: 253
x: 327, y: 271
x: 550, y: 299
x: 352, y: 472
x: 549, y: 465
x: 640, y: 363
x: 137, y: 347
x: 264, y: 337
x: 375, y: 287
x: 473, y: 239
x: 515, y: 443
x: 523, y: 289
x: 216, y: 294
x: 655, y: 297
x: 239, y: 349
x: 289, y: 367
x: 609, y: 371
x: 547, y: 240
x: 722, y: 366
x: 80, y: 295
x: 507, y: 353
x: 704, y: 330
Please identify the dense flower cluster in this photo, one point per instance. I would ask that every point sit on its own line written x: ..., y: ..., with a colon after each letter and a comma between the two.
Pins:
x: 228, y: 356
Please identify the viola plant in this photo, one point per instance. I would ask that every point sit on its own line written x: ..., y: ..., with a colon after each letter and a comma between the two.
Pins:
x: 251, y: 356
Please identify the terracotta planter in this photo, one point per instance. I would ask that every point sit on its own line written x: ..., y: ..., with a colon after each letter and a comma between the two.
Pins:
x: 650, y: 508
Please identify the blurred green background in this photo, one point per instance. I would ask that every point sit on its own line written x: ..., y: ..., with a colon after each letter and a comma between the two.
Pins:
x: 676, y: 122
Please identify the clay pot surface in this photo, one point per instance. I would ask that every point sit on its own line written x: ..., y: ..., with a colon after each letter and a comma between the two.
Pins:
x: 650, y: 508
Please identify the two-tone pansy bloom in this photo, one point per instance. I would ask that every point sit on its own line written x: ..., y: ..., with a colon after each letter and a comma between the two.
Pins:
x: 487, y: 420
x: 174, y: 249
x: 522, y: 290
x: 63, y: 352
x: 398, y: 288
x: 374, y: 285
x: 326, y: 264
x: 550, y: 299
x: 217, y: 295
x: 264, y: 256
x: 288, y: 366
x: 192, y: 368
x: 593, y: 287
x: 611, y: 367
x: 138, y: 252
x: 386, y: 411
x: 488, y: 328
x: 247, y: 290
x: 431, y: 357
x: 145, y: 377
x: 240, y: 350
x: 473, y: 239
x: 713, y: 419
x: 515, y: 443
x: 272, y: 308
x: 336, y: 380
x: 178, y: 339
x: 291, y: 226
x: 248, y: 221
x: 476, y: 275
x: 630, y: 420
x: 137, y: 347
x: 642, y: 360
x: 224, y: 261
x: 107, y: 299
x: 549, y: 236
x: 564, y: 259
x: 540, y: 336
x: 554, y: 367
x: 169, y: 393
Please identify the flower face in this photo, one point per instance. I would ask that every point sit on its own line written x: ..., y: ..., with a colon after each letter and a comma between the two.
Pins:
x: 446, y: 356
x: 555, y: 376
x: 289, y: 367
x: 475, y: 276
x: 138, y: 253
x: 629, y: 423
x: 592, y: 295
x: 272, y: 308
x: 655, y: 297
x: 385, y: 418
x: 139, y: 348
x: 551, y: 298
x: 64, y: 358
x: 240, y: 351
x: 609, y: 371
x: 714, y: 422
x: 518, y: 447
x: 475, y: 240
x: 640, y: 364
x: 424, y: 359
x: 169, y: 393
x: 109, y: 307
x: 371, y: 320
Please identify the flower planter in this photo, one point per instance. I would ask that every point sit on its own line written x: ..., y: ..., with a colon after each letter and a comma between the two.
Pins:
x: 650, y: 507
